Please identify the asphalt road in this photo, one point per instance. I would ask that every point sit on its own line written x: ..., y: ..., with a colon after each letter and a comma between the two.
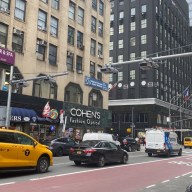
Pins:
x: 141, y: 174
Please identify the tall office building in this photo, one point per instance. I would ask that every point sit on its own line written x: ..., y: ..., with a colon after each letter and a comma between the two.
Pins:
x: 47, y: 37
x: 145, y: 98
x: 190, y: 12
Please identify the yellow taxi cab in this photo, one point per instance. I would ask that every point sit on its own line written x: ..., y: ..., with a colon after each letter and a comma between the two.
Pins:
x: 19, y: 150
x: 188, y: 142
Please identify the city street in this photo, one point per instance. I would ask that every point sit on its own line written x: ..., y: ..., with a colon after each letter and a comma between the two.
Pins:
x: 141, y: 174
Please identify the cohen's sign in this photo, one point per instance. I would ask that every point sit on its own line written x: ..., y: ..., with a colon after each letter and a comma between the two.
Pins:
x: 80, y: 116
x: 7, y: 56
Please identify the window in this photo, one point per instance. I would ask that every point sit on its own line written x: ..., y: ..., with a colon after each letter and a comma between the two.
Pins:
x: 132, y: 74
x: 111, y: 17
x: 132, y: 56
x: 110, y: 46
x: 121, y: 29
x: 100, y: 30
x: 132, y: 41
x: 93, y: 47
x: 111, y: 31
x: 121, y: 2
x: 52, y: 54
x: 45, y: 89
x: 23, y: 139
x: 93, y: 24
x: 120, y: 58
x: 45, y: 1
x: 79, y: 63
x: 120, y: 43
x: 71, y: 33
x: 6, y: 137
x: 79, y: 40
x: 20, y: 9
x: 70, y: 57
x: 99, y: 74
x: 71, y: 13
x: 121, y: 15
x: 95, y: 99
x: 143, y: 39
x: 3, y: 35
x: 55, y: 4
x: 73, y: 93
x: 101, y: 8
x: 128, y: 117
x: 112, y: 3
x: 17, y: 42
x: 5, y: 4
x: 120, y: 76
x: 133, y: 26
x: 54, y: 27
x: 142, y: 118
x: 100, y: 50
x: 143, y: 54
x: 94, y: 4
x: 40, y: 49
x: 92, y: 69
x: 42, y: 20
x: 144, y: 23
x: 80, y: 16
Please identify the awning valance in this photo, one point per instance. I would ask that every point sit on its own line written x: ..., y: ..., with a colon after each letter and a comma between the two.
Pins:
x: 23, y: 115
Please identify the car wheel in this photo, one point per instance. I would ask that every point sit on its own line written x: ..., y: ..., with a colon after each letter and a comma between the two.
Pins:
x: 101, y: 161
x: 59, y: 152
x: 77, y: 163
x: 129, y: 148
x: 124, y: 159
x: 150, y: 154
x: 180, y: 152
x: 42, y: 165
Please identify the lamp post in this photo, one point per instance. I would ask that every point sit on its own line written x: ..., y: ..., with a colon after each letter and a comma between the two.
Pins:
x: 12, y: 82
x: 132, y: 123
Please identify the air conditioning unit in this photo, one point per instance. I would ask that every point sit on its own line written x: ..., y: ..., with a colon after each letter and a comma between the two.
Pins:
x: 81, y: 46
x: 79, y: 71
x: 4, y: 9
x: 17, y: 31
x: 42, y: 28
x: 53, y: 34
x: 69, y: 54
x: 100, y: 56
x: 2, y: 45
x: 42, y: 42
x: 40, y: 56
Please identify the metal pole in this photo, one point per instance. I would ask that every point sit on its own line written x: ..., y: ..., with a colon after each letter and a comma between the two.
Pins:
x: 181, y: 126
x: 8, y: 112
x: 132, y: 125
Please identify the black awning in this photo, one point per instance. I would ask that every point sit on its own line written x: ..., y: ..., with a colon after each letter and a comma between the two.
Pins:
x: 23, y: 115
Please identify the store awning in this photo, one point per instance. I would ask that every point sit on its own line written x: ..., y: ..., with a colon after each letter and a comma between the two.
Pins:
x: 23, y: 115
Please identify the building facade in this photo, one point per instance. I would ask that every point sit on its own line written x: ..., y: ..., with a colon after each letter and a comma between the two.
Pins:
x: 49, y: 37
x: 139, y: 98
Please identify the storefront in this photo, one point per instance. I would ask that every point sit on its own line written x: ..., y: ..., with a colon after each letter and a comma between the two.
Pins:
x: 80, y: 119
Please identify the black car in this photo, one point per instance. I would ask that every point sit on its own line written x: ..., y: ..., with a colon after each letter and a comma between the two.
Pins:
x: 98, y: 152
x: 61, y: 146
x: 130, y: 144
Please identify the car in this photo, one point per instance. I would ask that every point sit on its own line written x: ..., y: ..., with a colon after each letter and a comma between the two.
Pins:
x: 98, y: 152
x: 19, y: 151
x: 130, y: 144
x: 100, y: 136
x: 61, y: 146
x: 187, y: 142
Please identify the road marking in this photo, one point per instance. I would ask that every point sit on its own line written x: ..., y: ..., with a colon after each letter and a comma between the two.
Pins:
x: 165, y: 181
x: 7, y: 183
x: 63, y: 163
x: 187, y: 174
x: 177, y: 177
x: 190, y: 176
x: 150, y: 186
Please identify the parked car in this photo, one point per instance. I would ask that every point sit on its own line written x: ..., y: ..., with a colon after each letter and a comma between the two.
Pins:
x: 98, y: 152
x: 19, y: 151
x: 130, y: 144
x: 61, y: 146
x: 188, y: 142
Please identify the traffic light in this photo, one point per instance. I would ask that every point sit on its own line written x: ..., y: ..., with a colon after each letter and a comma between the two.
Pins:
x: 146, y: 65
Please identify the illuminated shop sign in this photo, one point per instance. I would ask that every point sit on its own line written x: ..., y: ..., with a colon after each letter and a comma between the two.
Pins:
x: 7, y: 56
x: 80, y: 116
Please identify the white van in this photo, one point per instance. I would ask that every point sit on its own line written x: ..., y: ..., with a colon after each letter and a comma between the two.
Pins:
x: 100, y: 136
x: 159, y: 141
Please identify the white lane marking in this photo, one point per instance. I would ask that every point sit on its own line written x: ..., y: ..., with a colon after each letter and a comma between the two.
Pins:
x: 187, y: 174
x: 150, y: 186
x: 7, y: 183
x: 99, y: 169
x: 190, y: 176
x: 177, y: 177
x: 165, y: 181
x: 62, y: 163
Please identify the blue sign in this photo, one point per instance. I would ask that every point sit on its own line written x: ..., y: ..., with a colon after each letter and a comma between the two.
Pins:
x: 95, y: 83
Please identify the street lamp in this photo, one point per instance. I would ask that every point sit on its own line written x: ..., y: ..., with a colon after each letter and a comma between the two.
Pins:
x: 24, y: 82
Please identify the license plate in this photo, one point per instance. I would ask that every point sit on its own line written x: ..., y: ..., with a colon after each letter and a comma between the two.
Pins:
x: 78, y: 152
x: 158, y: 151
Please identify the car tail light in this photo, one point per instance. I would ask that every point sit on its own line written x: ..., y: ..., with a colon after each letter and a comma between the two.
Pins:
x: 71, y: 150
x: 86, y: 151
